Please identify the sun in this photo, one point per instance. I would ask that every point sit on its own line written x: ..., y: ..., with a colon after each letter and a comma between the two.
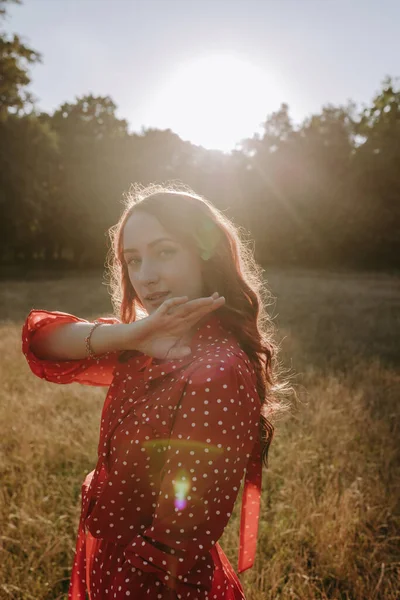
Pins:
x: 214, y: 101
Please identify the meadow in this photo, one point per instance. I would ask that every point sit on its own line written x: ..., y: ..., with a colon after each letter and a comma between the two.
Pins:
x: 330, y: 520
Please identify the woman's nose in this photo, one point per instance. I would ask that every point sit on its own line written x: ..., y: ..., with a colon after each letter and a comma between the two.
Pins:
x: 147, y: 272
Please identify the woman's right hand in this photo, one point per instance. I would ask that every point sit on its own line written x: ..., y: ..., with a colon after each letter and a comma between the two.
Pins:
x: 166, y: 333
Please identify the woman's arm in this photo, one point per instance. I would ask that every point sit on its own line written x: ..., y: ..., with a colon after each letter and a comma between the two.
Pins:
x: 60, y: 366
x: 54, y: 343
x: 155, y: 335
x: 66, y: 341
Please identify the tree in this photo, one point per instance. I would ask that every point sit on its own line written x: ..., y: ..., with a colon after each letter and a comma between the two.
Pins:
x: 376, y: 182
x: 92, y: 143
x: 29, y: 166
x: 15, y: 58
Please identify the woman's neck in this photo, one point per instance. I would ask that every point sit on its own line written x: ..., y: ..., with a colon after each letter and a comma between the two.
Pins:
x: 188, y: 337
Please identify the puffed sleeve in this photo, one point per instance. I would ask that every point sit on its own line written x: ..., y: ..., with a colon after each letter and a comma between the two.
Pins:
x: 215, y: 429
x: 88, y: 371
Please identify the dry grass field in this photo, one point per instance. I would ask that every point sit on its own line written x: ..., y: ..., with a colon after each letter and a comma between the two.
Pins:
x: 330, y: 524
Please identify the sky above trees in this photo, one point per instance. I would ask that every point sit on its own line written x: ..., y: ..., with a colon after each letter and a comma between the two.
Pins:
x: 165, y: 61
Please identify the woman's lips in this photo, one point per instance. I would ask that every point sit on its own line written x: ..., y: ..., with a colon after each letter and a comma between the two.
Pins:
x: 157, y: 299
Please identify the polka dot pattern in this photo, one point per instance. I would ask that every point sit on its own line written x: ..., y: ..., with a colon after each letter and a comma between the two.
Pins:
x: 176, y: 439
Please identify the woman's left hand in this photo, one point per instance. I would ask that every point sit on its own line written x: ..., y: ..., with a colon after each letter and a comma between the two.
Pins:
x: 165, y: 334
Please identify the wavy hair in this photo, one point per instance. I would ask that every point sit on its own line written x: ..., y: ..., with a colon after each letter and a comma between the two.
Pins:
x: 229, y: 266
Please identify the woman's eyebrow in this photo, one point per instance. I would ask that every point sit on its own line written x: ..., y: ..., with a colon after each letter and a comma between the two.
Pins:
x: 150, y: 245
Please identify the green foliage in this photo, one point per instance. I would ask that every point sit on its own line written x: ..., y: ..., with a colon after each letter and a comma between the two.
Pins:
x: 15, y: 57
x: 29, y: 161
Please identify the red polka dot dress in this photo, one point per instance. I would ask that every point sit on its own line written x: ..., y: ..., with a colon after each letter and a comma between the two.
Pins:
x: 176, y: 439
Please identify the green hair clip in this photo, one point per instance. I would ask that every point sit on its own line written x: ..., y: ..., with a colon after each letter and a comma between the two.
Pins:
x: 207, y: 238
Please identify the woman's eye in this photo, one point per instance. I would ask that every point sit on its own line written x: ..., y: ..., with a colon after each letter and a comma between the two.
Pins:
x: 168, y: 251
x: 131, y: 261
x: 134, y: 261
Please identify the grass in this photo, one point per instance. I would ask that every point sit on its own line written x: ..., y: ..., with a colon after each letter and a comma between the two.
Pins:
x: 330, y: 523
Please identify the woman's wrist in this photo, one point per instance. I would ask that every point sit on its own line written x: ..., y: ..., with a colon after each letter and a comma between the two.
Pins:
x: 109, y: 338
x: 117, y: 337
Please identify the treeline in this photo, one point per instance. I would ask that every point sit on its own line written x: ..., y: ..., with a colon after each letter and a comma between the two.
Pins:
x: 326, y: 193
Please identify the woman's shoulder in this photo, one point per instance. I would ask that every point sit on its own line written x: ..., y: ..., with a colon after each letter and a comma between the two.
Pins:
x: 224, y: 357
x: 226, y: 376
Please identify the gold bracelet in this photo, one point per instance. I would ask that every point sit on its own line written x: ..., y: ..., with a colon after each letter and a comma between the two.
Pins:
x: 89, y: 348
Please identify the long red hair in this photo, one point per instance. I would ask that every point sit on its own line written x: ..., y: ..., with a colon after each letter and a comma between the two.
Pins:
x: 229, y: 267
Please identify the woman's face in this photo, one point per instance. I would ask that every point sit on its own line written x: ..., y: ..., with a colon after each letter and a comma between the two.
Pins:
x: 158, y: 262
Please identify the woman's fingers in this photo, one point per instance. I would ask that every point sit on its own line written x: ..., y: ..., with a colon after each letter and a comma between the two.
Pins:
x: 183, y: 307
x: 190, y: 311
x: 197, y: 304
x: 180, y: 352
x: 171, y: 302
x: 191, y: 314
x: 201, y: 304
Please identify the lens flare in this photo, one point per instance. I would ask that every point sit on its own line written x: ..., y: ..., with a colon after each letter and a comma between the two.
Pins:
x: 182, y: 480
x: 181, y: 487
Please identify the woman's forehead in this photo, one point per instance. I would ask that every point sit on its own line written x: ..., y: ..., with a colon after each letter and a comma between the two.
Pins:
x: 141, y: 228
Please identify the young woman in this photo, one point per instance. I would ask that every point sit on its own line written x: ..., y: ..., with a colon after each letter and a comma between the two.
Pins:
x: 188, y: 365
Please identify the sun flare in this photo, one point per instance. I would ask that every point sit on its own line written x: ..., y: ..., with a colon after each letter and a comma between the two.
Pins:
x: 215, y: 101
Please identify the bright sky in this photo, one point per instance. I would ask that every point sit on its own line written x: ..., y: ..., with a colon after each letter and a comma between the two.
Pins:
x: 211, y: 70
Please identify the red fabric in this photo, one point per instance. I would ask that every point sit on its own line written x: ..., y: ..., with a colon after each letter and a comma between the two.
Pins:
x: 176, y: 439
x: 89, y: 371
